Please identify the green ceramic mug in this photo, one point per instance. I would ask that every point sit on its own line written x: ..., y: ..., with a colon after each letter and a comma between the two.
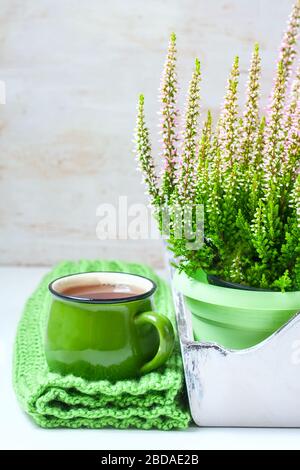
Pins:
x: 106, y: 339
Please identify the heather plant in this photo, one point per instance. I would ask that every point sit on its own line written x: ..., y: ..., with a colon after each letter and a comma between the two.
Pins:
x: 244, y: 170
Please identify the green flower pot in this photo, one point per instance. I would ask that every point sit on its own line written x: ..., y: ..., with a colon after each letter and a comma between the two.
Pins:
x: 232, y: 318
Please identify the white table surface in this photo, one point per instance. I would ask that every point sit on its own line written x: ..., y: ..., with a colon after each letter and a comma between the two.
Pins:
x: 17, y: 431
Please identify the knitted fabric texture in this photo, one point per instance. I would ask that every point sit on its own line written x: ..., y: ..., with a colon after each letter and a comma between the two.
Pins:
x: 156, y: 400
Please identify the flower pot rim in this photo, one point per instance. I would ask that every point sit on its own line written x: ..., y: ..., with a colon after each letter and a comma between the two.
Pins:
x: 218, y: 281
x: 199, y: 289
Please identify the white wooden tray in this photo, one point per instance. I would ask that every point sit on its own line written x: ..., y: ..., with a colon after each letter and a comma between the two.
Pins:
x: 257, y: 387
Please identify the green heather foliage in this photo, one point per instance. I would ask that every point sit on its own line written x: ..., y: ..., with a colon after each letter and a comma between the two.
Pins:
x: 245, y: 170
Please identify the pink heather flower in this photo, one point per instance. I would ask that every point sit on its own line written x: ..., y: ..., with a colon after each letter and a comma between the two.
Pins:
x: 291, y: 154
x: 288, y: 46
x: 277, y: 121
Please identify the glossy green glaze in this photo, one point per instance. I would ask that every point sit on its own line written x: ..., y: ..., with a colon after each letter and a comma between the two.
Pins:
x: 235, y: 319
x: 106, y: 340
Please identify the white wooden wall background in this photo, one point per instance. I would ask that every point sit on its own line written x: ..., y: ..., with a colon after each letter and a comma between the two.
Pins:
x: 73, y: 70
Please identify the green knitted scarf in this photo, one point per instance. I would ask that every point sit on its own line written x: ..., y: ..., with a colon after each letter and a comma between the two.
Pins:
x: 156, y: 400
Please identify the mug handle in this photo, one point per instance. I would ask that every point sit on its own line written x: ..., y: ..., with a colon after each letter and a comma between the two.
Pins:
x: 166, y: 338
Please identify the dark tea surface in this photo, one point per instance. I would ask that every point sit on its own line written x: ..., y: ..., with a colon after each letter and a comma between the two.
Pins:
x: 103, y: 291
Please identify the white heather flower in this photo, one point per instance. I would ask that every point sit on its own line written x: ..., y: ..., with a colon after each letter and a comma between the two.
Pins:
x: 228, y: 123
x: 291, y: 154
x: 144, y: 157
x: 292, y: 101
x: 295, y: 199
x: 169, y: 119
x: 250, y: 124
x: 204, y: 154
x: 187, y: 168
